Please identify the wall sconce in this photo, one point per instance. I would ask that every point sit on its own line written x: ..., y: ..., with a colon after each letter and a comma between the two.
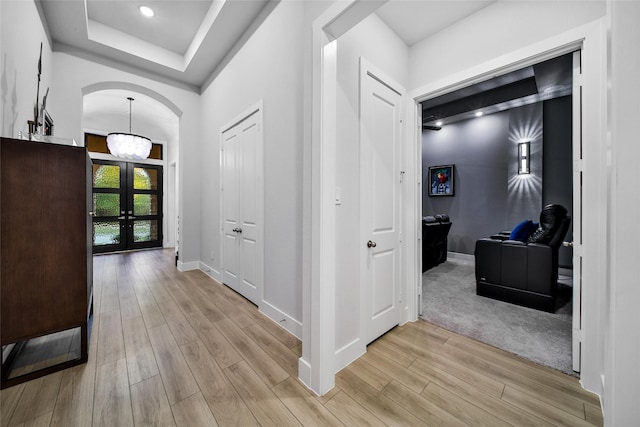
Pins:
x: 523, y: 157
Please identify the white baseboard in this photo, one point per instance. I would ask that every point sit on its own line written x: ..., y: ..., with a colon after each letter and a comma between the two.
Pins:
x: 291, y: 325
x: 565, y: 271
x: 210, y: 271
x: 471, y: 260
x: 349, y: 353
x: 282, y: 319
x: 465, y: 258
x: 304, y: 373
x: 188, y: 266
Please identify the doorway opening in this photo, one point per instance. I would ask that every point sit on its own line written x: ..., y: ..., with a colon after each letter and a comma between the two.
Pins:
x: 127, y: 206
x: 476, y: 133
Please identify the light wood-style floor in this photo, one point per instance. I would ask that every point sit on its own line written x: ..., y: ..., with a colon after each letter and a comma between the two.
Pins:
x: 171, y: 348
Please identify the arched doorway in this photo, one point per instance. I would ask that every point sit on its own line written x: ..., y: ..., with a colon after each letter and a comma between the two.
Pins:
x: 142, y: 217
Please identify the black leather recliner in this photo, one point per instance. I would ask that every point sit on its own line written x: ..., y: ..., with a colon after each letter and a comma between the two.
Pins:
x: 523, y: 273
x: 435, y: 231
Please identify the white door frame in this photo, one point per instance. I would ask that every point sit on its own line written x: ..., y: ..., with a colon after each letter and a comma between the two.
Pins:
x: 589, y: 39
x: 257, y: 110
x: 172, y: 210
x: 577, y: 169
x: 316, y: 366
x: 576, y: 48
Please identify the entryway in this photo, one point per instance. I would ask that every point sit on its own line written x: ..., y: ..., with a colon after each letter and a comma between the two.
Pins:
x: 539, y: 105
x: 127, y: 206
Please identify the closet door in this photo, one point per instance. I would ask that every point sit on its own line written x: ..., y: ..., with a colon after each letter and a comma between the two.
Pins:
x: 380, y: 108
x: 241, y: 197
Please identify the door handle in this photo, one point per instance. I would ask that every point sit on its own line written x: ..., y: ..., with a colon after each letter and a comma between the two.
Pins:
x: 371, y: 244
x: 237, y: 230
x: 122, y: 217
x: 567, y: 244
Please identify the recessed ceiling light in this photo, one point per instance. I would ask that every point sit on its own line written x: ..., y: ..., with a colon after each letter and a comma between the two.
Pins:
x: 478, y: 113
x: 438, y: 123
x: 146, y: 11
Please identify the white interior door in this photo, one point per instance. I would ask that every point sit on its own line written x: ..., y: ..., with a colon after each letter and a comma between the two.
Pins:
x: 241, y: 196
x: 577, y: 211
x: 380, y: 109
x: 231, y: 205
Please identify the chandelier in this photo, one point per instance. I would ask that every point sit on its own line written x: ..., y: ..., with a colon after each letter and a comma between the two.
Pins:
x: 128, y: 145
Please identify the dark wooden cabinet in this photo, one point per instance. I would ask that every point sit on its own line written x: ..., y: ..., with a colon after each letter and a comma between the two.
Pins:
x: 45, y: 254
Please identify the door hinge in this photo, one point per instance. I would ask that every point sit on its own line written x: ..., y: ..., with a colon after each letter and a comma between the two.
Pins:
x: 402, y: 176
x: 577, y: 165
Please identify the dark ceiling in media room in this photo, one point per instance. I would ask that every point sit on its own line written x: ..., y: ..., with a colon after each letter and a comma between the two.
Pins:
x: 546, y: 80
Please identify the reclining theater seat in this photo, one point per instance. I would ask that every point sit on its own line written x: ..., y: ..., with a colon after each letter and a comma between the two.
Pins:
x: 524, y: 273
x: 435, y: 232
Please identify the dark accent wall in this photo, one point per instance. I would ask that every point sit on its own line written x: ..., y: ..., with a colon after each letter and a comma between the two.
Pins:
x: 479, y: 205
x: 524, y: 191
x: 489, y: 195
x: 557, y: 183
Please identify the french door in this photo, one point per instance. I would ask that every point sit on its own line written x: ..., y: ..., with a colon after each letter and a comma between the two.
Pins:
x: 242, y: 268
x: 127, y: 206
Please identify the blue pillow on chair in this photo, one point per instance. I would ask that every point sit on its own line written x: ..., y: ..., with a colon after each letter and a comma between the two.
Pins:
x: 523, y: 230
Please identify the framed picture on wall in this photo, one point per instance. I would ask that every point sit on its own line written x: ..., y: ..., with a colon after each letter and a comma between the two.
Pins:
x: 441, y: 180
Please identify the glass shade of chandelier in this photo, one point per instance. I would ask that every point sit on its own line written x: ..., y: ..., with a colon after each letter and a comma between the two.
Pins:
x: 128, y: 145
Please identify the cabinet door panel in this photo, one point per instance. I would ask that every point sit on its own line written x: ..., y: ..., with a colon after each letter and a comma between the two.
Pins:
x: 44, y: 240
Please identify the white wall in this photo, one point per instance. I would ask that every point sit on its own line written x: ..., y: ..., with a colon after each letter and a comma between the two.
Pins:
x: 267, y: 68
x: 72, y: 74
x: 21, y: 33
x: 496, y: 30
x: 622, y: 348
x: 374, y: 41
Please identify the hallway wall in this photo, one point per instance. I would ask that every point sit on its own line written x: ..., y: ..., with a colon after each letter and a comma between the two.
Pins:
x: 21, y: 32
x: 72, y: 74
x: 374, y: 41
x: 267, y: 68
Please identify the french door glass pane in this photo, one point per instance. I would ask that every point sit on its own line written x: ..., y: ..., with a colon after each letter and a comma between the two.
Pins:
x: 106, y: 204
x: 145, y: 179
x: 145, y: 204
x: 106, y: 176
x: 106, y: 233
x: 145, y: 230
x: 132, y: 193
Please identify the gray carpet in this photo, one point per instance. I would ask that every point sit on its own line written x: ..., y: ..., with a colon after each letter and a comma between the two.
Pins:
x: 449, y: 300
